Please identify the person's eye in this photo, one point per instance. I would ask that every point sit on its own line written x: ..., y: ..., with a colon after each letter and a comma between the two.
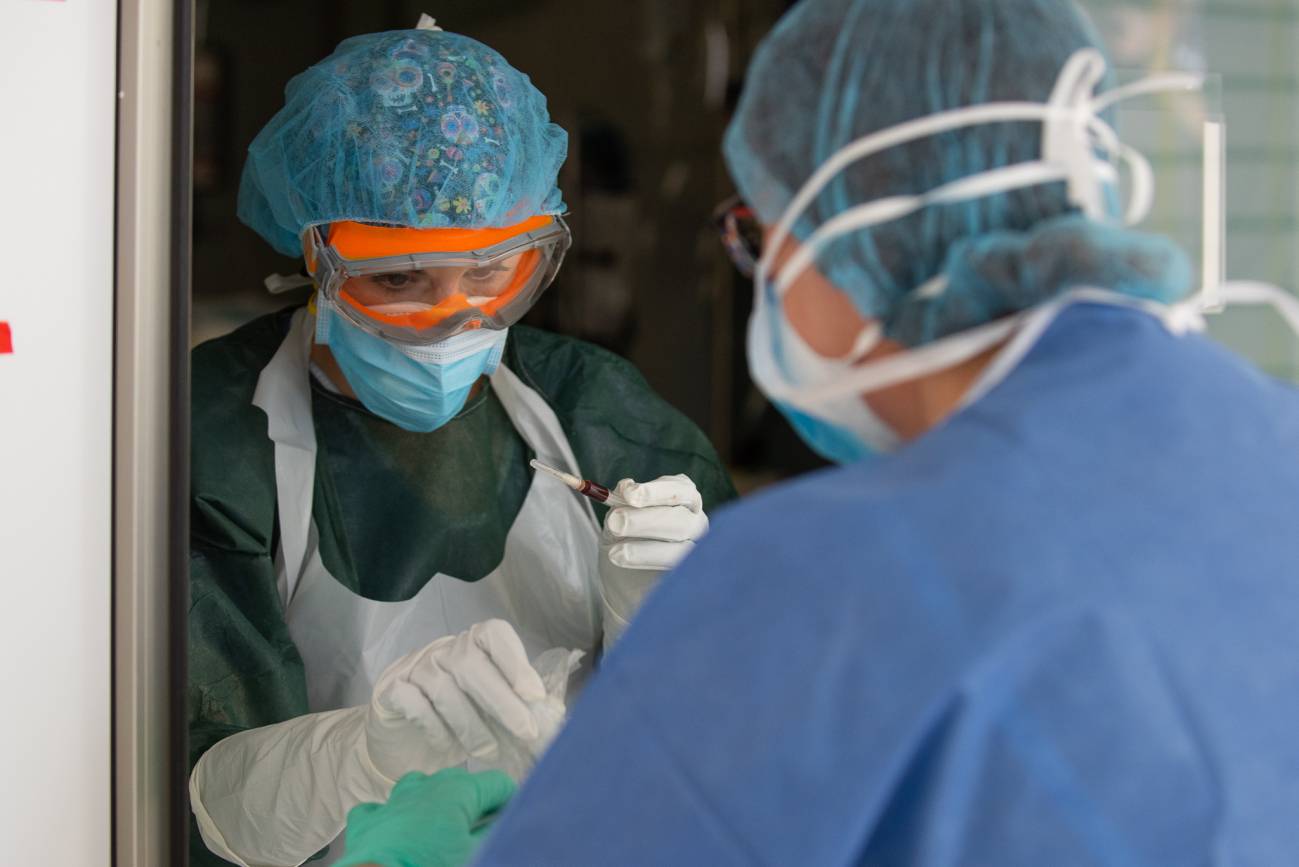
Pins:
x: 486, y: 275
x: 395, y: 282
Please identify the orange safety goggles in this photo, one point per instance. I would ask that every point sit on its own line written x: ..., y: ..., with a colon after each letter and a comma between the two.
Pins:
x: 421, y: 286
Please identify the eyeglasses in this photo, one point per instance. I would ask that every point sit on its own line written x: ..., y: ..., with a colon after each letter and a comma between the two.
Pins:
x: 741, y: 234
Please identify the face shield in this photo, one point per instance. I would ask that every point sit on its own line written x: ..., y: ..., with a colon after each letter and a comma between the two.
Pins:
x: 421, y: 286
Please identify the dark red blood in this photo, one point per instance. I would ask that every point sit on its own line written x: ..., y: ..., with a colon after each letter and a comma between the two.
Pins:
x: 595, y: 492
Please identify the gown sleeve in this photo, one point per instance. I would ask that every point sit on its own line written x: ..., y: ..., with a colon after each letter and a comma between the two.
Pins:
x: 244, y: 670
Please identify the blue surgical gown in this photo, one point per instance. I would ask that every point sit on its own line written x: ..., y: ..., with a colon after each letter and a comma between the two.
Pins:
x: 1060, y: 629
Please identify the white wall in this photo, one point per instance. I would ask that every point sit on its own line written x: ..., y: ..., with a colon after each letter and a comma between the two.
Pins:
x: 57, y: 108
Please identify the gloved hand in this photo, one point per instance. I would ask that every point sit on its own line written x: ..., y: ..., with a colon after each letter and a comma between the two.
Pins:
x: 453, y: 700
x: 430, y: 821
x: 657, y: 526
x: 275, y: 795
x: 516, y: 757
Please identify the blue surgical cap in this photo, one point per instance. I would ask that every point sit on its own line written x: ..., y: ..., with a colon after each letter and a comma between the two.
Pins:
x: 833, y: 71
x: 417, y: 128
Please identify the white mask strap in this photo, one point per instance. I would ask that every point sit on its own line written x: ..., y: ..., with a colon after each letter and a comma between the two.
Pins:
x: 954, y: 349
x: 278, y: 283
x: 884, y: 210
x: 1162, y: 82
x: 1065, y: 139
x: 867, y: 339
x: 1074, y: 138
x: 923, y: 127
x: 1069, y: 119
x: 1250, y: 292
x: 915, y: 362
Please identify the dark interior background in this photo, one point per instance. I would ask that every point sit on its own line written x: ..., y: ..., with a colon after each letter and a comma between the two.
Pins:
x: 644, y: 90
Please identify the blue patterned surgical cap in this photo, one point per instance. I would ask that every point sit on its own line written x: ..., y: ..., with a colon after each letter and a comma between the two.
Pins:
x: 415, y: 128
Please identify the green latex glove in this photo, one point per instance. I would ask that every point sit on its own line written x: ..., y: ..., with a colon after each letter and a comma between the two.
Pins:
x: 429, y: 821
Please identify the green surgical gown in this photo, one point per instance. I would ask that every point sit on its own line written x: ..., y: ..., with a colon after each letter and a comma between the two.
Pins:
x: 392, y: 507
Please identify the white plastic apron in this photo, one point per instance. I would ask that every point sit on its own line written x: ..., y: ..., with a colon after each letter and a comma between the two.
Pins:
x: 545, y: 585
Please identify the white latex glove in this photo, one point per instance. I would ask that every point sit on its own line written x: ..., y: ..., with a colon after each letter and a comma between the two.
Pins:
x: 432, y: 708
x: 515, y: 756
x: 658, y: 525
x: 278, y: 794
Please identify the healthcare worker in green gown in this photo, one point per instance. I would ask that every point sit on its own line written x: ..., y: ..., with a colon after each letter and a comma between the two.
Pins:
x: 379, y: 581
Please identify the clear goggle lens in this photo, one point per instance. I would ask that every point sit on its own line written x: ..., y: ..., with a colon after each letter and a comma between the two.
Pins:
x: 427, y: 297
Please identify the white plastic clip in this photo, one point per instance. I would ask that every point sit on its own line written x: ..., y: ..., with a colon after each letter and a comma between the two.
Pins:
x: 280, y: 283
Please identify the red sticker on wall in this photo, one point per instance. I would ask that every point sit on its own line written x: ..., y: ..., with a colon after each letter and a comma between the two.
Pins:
x: 6, y: 339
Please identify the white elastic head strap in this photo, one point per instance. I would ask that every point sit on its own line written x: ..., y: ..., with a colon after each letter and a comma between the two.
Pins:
x: 923, y: 127
x: 1066, y: 143
x: 1072, y: 134
x: 1179, y: 318
x: 1250, y: 292
x: 1072, y: 131
x: 989, y: 183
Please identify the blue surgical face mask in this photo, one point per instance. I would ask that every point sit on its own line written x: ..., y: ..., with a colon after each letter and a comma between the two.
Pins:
x: 418, y: 388
x: 845, y: 430
x: 828, y: 440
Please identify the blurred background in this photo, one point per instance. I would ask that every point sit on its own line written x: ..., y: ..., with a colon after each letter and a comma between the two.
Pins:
x: 644, y: 90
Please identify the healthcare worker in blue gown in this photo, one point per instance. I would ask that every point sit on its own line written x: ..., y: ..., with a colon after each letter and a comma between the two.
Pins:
x: 1045, y: 612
